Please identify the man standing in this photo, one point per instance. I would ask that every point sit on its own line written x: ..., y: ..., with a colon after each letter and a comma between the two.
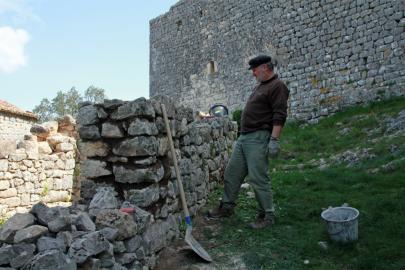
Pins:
x: 262, y: 121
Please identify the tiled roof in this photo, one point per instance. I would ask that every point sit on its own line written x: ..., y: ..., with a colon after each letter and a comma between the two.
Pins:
x: 10, y: 108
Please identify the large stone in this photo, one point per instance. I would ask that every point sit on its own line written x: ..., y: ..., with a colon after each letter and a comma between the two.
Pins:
x: 48, y: 243
x: 84, y: 223
x: 114, y: 218
x: 142, y: 127
x: 45, y: 214
x: 44, y: 148
x: 131, y: 174
x: 143, y: 197
x: 87, y: 115
x: 14, y: 224
x: 11, y: 192
x: 6, y: 254
x: 56, y: 139
x: 111, y: 130
x: 138, y: 107
x: 31, y: 148
x: 103, y: 199
x: 22, y: 254
x: 50, y: 260
x: 40, y: 131
x: 94, y: 168
x: 155, y: 236
x: 30, y: 234
x: 7, y: 147
x: 64, y: 147
x: 60, y: 223
x: 93, y: 149
x: 111, y: 104
x: 87, y: 246
x: 138, y: 146
x: 89, y: 132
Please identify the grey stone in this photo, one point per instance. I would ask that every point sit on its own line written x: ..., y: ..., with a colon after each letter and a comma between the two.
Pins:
x: 48, y: 243
x: 14, y: 224
x: 143, y: 197
x: 114, y: 218
x: 119, y: 247
x: 84, y: 223
x: 39, y: 131
x: 50, y: 260
x: 30, y: 234
x: 138, y: 107
x: 87, y: 246
x: 110, y: 233
x: 125, y: 258
x: 131, y: 174
x: 6, y: 254
x: 93, y: 149
x: 103, y: 199
x: 138, y: 146
x: 89, y: 132
x: 133, y: 244
x: 45, y: 214
x: 60, y: 223
x: 87, y: 115
x: 155, y: 236
x: 94, y: 168
x: 111, y: 130
x: 142, y: 127
x: 22, y: 254
x: 145, y: 161
x: 111, y: 104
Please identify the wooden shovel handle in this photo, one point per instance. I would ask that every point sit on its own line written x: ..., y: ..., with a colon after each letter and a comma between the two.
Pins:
x: 176, y: 167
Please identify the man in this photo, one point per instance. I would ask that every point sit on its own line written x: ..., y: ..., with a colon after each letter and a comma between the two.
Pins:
x: 262, y: 121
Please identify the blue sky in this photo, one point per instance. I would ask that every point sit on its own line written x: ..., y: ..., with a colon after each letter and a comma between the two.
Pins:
x: 52, y: 45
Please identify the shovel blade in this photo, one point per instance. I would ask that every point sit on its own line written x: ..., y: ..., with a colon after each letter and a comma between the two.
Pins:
x: 195, y: 246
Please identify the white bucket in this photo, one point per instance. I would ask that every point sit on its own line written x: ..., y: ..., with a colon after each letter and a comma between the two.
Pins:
x: 341, y: 223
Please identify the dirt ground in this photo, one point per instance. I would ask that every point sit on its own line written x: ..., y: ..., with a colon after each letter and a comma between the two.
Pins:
x: 179, y: 256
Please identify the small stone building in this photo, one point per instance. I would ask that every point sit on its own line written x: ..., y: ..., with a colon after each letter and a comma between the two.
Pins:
x: 14, y: 122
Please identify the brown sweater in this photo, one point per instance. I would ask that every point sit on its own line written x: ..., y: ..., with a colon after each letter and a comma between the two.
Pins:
x: 266, y: 106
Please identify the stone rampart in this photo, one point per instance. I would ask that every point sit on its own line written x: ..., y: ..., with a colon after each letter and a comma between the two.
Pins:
x: 332, y: 53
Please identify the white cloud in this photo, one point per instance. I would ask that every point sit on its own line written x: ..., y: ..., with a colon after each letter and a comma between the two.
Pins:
x: 12, y: 45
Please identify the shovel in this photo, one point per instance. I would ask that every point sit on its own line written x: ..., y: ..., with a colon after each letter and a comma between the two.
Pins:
x: 197, y: 248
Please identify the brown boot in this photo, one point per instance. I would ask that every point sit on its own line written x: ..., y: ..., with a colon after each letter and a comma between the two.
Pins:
x: 263, y: 220
x: 223, y: 210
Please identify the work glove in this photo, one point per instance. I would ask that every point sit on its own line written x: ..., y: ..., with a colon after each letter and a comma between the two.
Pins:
x: 273, y: 147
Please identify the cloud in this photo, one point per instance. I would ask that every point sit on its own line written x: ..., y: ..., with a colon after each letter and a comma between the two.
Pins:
x: 12, y: 45
x: 17, y: 11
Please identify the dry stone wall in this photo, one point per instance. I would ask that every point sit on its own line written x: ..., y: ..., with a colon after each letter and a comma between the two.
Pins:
x: 129, y: 208
x: 38, y: 168
x: 332, y: 53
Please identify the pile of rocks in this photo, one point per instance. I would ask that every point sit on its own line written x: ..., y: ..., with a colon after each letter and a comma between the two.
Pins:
x: 38, y: 168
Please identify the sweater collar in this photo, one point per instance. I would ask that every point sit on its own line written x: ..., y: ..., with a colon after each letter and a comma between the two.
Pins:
x: 275, y: 76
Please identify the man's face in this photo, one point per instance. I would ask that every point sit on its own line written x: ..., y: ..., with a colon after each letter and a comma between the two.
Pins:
x: 260, y: 73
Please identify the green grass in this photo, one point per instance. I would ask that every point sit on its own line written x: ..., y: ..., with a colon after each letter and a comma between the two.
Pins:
x: 300, y: 196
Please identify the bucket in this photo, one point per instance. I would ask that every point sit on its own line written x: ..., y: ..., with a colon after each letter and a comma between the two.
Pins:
x: 341, y: 223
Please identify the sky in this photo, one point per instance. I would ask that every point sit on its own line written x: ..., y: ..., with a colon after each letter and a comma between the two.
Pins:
x: 53, y: 45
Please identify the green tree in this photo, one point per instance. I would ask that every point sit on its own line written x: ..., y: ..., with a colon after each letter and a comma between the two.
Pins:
x: 66, y: 102
x: 94, y: 94
x: 44, y: 110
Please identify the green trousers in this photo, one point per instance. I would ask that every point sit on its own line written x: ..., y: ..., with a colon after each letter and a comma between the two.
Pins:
x: 250, y: 158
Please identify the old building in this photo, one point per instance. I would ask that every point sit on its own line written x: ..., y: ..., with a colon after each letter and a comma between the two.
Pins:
x: 332, y: 53
x: 14, y: 122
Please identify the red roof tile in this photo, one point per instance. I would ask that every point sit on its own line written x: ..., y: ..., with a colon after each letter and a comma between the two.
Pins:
x: 10, y: 108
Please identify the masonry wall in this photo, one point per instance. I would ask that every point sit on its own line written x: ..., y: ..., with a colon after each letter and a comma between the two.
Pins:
x: 14, y: 127
x: 126, y: 163
x: 38, y: 168
x: 332, y: 53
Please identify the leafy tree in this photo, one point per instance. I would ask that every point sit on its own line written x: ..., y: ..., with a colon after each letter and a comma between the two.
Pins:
x: 44, y: 110
x: 94, y: 94
x: 67, y: 103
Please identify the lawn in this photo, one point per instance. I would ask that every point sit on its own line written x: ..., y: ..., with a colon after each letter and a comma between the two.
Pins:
x: 374, y: 183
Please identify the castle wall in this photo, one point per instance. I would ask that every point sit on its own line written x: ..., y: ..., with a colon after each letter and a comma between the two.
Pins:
x: 332, y: 53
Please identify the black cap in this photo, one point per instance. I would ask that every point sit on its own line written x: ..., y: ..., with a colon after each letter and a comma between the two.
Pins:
x: 259, y: 60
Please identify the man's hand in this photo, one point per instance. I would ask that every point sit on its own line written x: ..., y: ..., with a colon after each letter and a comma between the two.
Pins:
x: 274, y: 147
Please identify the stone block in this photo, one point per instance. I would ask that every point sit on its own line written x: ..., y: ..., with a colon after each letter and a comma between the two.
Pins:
x: 87, y: 115
x: 94, y: 168
x: 114, y: 218
x: 142, y: 197
x: 111, y: 130
x: 139, y: 107
x: 30, y: 234
x: 11, y: 192
x: 131, y: 174
x: 93, y: 149
x: 138, y: 146
x: 3, y: 165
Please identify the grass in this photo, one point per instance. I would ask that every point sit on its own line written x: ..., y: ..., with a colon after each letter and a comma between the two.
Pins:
x: 301, y: 194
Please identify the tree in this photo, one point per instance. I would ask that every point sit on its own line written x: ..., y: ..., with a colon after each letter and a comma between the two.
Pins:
x: 67, y: 103
x: 44, y: 110
x: 94, y: 94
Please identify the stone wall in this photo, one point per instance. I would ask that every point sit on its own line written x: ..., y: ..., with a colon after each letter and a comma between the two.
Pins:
x: 332, y: 53
x: 126, y: 163
x: 38, y: 168
x: 14, y: 127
